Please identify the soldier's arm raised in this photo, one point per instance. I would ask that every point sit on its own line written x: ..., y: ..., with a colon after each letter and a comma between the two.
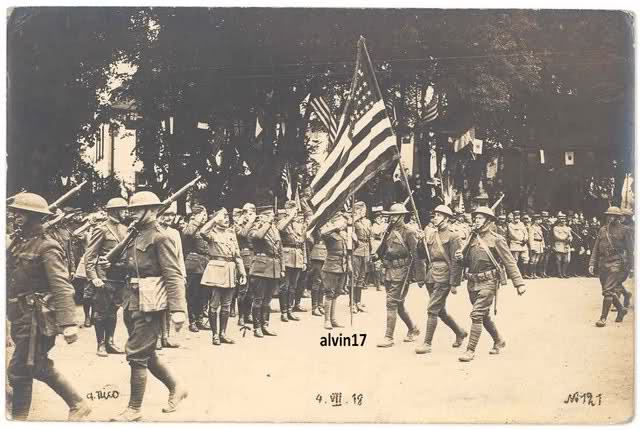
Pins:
x: 259, y: 230
x: 284, y: 222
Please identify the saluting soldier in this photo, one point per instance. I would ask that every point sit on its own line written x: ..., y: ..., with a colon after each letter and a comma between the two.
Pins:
x: 196, y: 249
x: 108, y: 282
x: 267, y: 268
x: 562, y: 245
x: 398, y: 255
x: 153, y: 266
x: 361, y: 254
x: 245, y: 292
x: 536, y: 245
x: 40, y: 306
x: 484, y: 256
x: 444, y: 276
x: 317, y: 257
x: 224, y: 267
x: 292, y: 232
x: 518, y: 242
x: 612, y: 258
x: 336, y: 265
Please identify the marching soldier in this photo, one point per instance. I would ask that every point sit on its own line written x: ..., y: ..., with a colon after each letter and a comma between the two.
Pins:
x: 224, y: 264
x: 484, y: 256
x: 292, y: 232
x: 562, y: 245
x: 444, y: 276
x: 536, y: 245
x: 612, y: 258
x: 361, y: 254
x: 267, y: 269
x: 378, y: 228
x: 108, y: 282
x: 40, y: 306
x: 518, y: 242
x: 398, y: 255
x: 196, y: 249
x: 245, y: 292
x: 336, y: 265
x: 153, y: 266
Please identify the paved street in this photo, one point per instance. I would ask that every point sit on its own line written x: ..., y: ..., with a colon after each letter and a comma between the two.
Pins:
x: 553, y: 350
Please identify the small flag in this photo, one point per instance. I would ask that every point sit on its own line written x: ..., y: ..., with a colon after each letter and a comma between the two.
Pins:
x: 477, y: 146
x: 569, y: 159
x: 463, y: 140
x: 431, y: 110
x: 433, y: 162
x: 542, y: 156
x: 304, y: 105
x: 286, y: 179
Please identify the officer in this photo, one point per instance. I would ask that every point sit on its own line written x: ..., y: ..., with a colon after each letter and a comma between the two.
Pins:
x: 485, y: 255
x: 612, y: 258
x: 108, y: 283
x: 562, y: 244
x: 196, y: 249
x: 292, y: 232
x: 336, y: 265
x: 398, y: 255
x: 225, y: 266
x: 444, y: 276
x: 536, y: 245
x: 547, y: 233
x: 40, y: 306
x: 361, y: 254
x: 267, y: 269
x: 518, y: 242
x: 155, y: 284
x: 317, y: 257
x: 242, y: 226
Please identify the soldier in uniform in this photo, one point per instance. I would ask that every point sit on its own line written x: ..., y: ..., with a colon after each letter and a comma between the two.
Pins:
x: 108, y: 283
x: 518, y: 242
x: 152, y: 264
x: 562, y: 245
x: 267, y: 268
x: 536, y: 245
x: 378, y: 228
x: 196, y: 250
x: 444, y: 276
x: 361, y: 254
x: 292, y: 232
x: 612, y: 258
x: 245, y: 292
x: 235, y: 216
x: 40, y: 306
x: 484, y: 256
x: 317, y: 257
x: 501, y: 226
x: 336, y: 265
x: 225, y: 262
x: 398, y: 255
x: 547, y: 233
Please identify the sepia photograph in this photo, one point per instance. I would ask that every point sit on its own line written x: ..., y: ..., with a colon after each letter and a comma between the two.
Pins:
x: 319, y: 215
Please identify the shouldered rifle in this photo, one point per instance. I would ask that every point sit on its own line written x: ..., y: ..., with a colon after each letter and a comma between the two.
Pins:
x: 55, y: 205
x: 118, y: 250
x: 465, y: 246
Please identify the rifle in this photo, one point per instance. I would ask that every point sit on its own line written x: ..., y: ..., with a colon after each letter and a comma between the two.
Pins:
x: 55, y: 205
x: 117, y: 251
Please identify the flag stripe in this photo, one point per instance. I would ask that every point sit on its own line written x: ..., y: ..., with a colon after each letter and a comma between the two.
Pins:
x: 324, y: 113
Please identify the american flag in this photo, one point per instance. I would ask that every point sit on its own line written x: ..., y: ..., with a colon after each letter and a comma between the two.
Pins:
x: 365, y: 145
x: 323, y: 111
x: 431, y: 110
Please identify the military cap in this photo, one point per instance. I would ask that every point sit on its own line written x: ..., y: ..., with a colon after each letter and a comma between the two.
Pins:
x: 198, y: 209
x: 376, y: 209
x: 537, y: 216
x: 445, y: 210
x: 544, y: 213
x: 219, y: 215
x: 502, y: 217
x: 613, y: 210
x: 30, y: 202
x: 526, y: 216
x: 516, y: 213
x: 561, y: 215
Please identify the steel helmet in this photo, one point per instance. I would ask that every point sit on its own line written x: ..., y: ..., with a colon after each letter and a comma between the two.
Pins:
x: 144, y: 199
x: 116, y: 203
x: 613, y: 210
x: 483, y: 210
x: 444, y: 210
x: 30, y: 202
x: 396, y: 209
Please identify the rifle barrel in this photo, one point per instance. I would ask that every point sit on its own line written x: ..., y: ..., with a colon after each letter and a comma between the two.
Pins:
x: 66, y: 196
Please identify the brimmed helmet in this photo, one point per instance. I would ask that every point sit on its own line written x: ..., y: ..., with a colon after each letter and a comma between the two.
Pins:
x: 444, y: 210
x: 396, y: 209
x: 483, y: 210
x: 116, y: 203
x: 144, y: 199
x: 30, y: 202
x: 613, y: 210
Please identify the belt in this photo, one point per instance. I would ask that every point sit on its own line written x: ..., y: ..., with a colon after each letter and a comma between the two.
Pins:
x: 398, y: 262
x: 262, y: 254
x: 201, y: 254
x: 537, y: 240
x: 489, y: 275
x: 221, y: 258
x: 293, y: 245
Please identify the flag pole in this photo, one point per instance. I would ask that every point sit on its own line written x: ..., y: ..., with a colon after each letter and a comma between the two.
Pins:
x: 402, y: 172
x: 350, y: 252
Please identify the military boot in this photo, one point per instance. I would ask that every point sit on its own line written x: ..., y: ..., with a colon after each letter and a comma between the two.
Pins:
x: 290, y: 310
x: 606, y: 306
x: 498, y: 342
x: 474, y: 337
x: 387, y: 342
x: 213, y: 322
x: 128, y: 415
x: 627, y: 299
x: 432, y: 323
x: 334, y: 322
x: 224, y: 320
x: 283, y: 299
x: 21, y: 400
x: 621, y: 309
x: 78, y: 409
x: 327, y: 315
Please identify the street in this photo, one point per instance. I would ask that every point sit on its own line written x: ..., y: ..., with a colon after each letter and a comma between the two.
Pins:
x: 553, y: 351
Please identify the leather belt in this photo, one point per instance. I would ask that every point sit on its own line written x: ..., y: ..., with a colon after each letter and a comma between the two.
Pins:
x: 489, y: 275
x: 293, y: 245
x: 398, y: 262
x: 262, y: 254
x: 221, y: 258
